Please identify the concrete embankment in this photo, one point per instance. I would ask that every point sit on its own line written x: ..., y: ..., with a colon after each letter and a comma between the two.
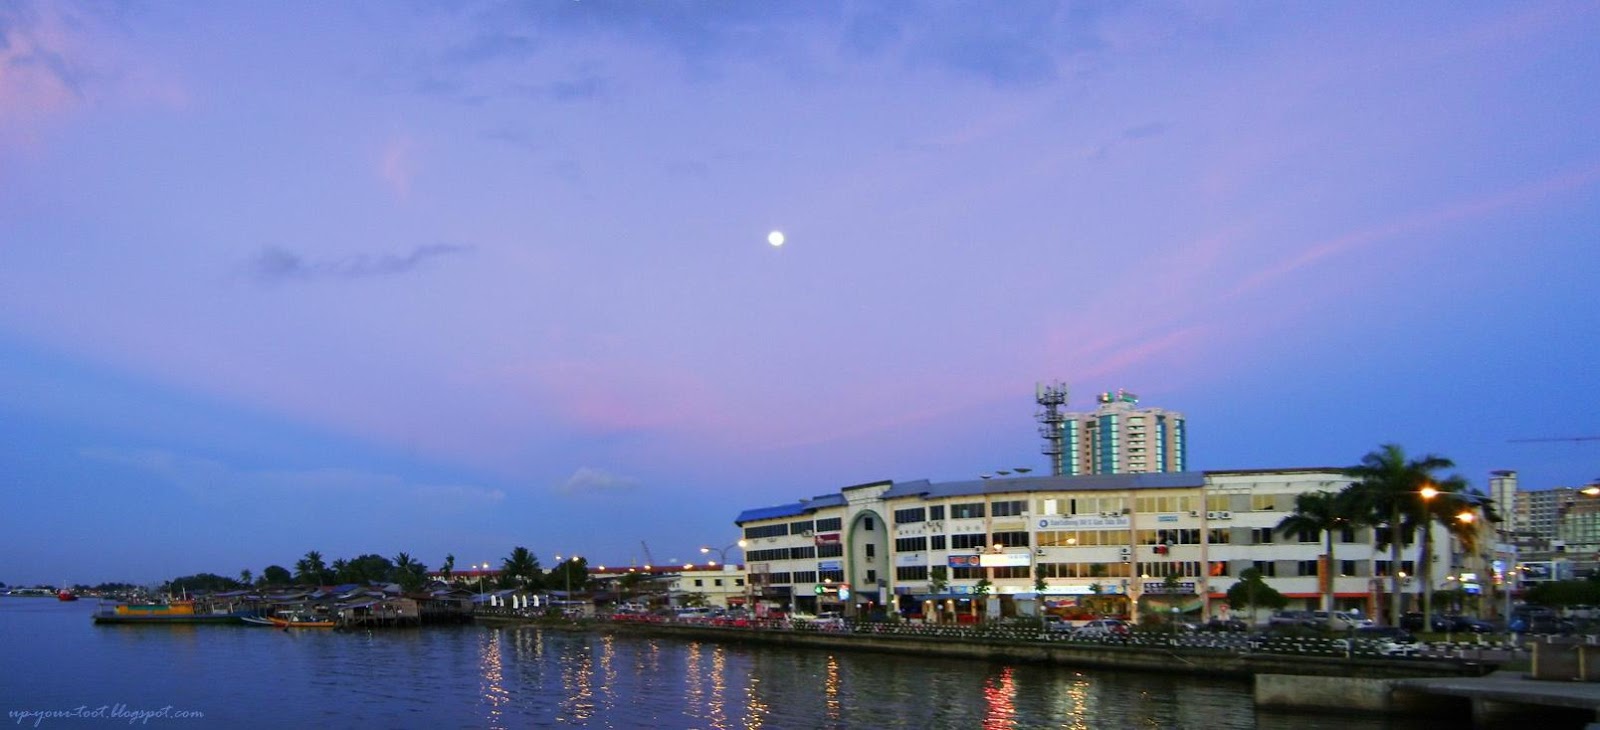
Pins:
x: 1090, y: 655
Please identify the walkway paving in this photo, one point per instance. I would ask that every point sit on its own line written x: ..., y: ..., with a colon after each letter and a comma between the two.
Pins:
x: 1512, y: 687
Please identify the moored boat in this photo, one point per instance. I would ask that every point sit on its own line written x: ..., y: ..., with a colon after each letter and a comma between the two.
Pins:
x: 66, y: 595
x: 176, y: 612
x: 301, y: 621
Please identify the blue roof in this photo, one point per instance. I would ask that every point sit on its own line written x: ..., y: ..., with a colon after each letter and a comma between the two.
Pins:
x: 796, y: 509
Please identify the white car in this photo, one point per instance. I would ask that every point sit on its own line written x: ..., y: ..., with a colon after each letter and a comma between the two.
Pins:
x: 1103, y: 628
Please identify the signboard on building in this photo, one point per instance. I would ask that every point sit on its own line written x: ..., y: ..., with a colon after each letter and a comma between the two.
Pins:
x: 830, y: 565
x: 1105, y: 521
x: 828, y: 538
x: 964, y: 561
x: 1004, y: 560
x: 1539, y: 570
x: 1153, y: 587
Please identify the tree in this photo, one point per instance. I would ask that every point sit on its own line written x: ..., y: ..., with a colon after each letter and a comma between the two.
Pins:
x: 448, y: 570
x: 1321, y: 513
x: 1039, y: 584
x: 244, y: 577
x: 1251, y: 591
x: 341, y: 571
x: 409, y: 573
x: 520, y: 569
x: 370, y: 568
x: 276, y: 575
x: 200, y: 582
x: 1388, y: 491
x: 310, y: 570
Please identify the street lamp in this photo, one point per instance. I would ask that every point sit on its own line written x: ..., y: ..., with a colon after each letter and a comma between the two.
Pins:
x: 567, y: 570
x: 722, y: 555
x: 481, y: 571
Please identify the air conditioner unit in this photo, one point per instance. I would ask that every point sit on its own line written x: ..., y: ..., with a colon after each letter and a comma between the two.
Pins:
x: 807, y: 533
x: 1194, y: 513
x: 1224, y: 515
x: 1212, y: 515
x: 1038, y: 551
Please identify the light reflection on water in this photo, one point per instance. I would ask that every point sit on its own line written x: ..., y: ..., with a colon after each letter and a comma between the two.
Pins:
x: 471, y: 676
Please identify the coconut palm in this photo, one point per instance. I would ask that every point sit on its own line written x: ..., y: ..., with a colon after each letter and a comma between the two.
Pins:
x: 520, y: 569
x: 448, y: 570
x: 1388, y: 491
x: 1321, y: 513
x: 408, y: 572
x: 310, y: 570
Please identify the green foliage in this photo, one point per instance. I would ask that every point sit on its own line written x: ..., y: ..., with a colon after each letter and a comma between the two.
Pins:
x: 1251, y: 592
x: 410, y: 573
x: 982, y: 588
x: 521, y: 570
x: 1039, y: 584
x: 311, y: 571
x: 695, y: 600
x: 449, y: 567
x: 200, y: 582
x: 938, y: 578
x: 276, y: 575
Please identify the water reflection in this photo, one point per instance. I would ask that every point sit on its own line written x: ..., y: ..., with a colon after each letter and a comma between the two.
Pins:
x: 494, y: 692
x: 1000, y: 697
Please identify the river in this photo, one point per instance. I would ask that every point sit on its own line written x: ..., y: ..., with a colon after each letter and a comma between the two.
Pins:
x: 54, y: 660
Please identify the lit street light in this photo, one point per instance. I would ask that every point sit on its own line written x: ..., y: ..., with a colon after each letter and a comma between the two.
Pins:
x: 722, y: 555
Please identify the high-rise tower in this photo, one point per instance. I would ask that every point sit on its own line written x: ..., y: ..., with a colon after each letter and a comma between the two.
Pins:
x: 1121, y: 438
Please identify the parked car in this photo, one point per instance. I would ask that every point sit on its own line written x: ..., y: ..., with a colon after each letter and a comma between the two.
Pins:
x: 1412, y: 621
x: 1292, y: 618
x: 1219, y: 624
x: 1389, y: 633
x: 1468, y: 624
x: 1103, y: 628
x: 1057, y: 623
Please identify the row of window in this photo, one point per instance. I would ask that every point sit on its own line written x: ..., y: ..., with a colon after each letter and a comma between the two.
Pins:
x: 1176, y: 568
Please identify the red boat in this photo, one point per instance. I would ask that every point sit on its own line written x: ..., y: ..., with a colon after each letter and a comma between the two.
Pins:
x: 65, y: 595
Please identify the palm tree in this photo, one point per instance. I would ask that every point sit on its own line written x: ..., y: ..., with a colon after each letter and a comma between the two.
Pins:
x: 449, y: 568
x: 310, y: 570
x: 521, y: 569
x: 1320, y: 513
x: 408, y: 572
x: 1388, y: 492
x: 341, y: 571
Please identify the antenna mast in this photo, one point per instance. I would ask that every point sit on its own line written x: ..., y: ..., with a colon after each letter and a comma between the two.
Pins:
x: 1050, y: 399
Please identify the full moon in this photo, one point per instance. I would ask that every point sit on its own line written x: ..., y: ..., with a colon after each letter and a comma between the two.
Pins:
x: 775, y: 238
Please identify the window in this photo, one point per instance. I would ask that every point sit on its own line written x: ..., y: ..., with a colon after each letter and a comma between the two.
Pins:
x: 832, y: 524
x: 910, y: 544
x: 1218, y: 536
x: 1347, y: 534
x: 1309, y: 536
x: 802, y: 553
x: 936, y: 542
x: 1264, y: 502
x: 698, y: 582
x: 866, y: 524
x: 910, y: 516
x: 1268, y: 568
x: 1306, y: 568
x: 828, y: 550
x: 797, y: 528
x: 966, y: 573
x: 751, y: 533
x: 836, y: 576
x: 872, y: 550
x: 969, y: 541
x: 936, y: 512
x: 717, y: 582
x: 911, y: 572
x: 967, y: 510
x: 1015, y: 571
x: 1261, y: 536
x: 1011, y: 539
x: 1011, y: 508
x: 872, y: 577
x: 805, y: 576
x: 1347, y: 568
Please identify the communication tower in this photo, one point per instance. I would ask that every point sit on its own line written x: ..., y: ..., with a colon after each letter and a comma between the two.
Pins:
x: 1051, y: 397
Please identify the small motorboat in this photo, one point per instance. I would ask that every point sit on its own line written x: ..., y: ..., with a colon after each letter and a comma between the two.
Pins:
x: 66, y: 595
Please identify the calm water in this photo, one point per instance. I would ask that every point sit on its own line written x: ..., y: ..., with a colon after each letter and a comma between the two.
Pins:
x: 53, y: 658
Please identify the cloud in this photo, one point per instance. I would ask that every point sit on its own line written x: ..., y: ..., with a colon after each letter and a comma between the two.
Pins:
x: 274, y: 263
x: 588, y: 480
x: 209, y: 480
x: 396, y: 167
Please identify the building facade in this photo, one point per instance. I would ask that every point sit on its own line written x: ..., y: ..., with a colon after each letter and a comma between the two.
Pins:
x: 1121, y: 438
x: 1119, y: 543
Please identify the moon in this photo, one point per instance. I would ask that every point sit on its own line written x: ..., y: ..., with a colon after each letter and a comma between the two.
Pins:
x: 775, y: 238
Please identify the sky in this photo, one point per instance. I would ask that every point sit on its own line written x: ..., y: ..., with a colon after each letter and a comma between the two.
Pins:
x: 452, y: 278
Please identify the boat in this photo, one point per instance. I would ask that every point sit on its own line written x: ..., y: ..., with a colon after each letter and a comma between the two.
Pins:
x: 301, y: 621
x: 65, y: 595
x: 257, y: 621
x: 176, y: 612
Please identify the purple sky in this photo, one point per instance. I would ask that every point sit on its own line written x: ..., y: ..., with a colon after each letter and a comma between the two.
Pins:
x: 451, y: 278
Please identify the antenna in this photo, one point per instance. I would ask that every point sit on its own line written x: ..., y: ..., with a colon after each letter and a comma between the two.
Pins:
x: 1050, y: 399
